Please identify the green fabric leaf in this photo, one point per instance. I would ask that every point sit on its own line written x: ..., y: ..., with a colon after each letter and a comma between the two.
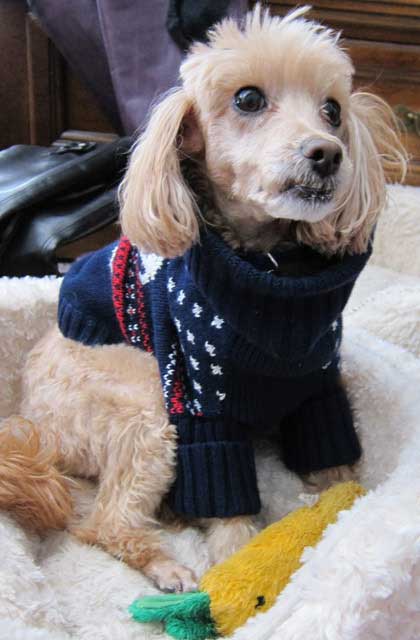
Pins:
x: 186, y: 616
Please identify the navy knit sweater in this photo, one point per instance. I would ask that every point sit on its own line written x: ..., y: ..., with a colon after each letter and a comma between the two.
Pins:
x: 242, y: 351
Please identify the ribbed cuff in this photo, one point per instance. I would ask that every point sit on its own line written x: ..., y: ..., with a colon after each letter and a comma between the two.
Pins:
x: 320, y: 434
x: 78, y: 326
x: 215, y: 478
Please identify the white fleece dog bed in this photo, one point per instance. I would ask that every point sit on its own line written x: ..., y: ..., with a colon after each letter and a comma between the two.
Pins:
x: 362, y: 582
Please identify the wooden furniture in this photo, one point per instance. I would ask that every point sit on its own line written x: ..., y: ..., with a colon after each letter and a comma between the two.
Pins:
x: 383, y: 39
x: 40, y: 96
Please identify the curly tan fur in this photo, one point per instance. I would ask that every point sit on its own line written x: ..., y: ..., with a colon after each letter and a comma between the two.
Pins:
x: 201, y: 162
x: 31, y: 487
x: 103, y: 410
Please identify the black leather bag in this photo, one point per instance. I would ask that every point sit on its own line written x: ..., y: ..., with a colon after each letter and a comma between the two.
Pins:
x: 51, y: 196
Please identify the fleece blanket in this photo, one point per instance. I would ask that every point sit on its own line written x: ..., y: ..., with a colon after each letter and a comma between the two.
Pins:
x: 361, y: 582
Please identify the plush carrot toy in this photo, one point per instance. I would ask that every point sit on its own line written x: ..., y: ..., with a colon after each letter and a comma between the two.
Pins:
x: 251, y: 579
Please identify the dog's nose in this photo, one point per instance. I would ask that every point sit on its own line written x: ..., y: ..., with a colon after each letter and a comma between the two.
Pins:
x: 325, y: 156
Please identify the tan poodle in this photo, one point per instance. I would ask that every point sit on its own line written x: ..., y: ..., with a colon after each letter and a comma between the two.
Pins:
x: 265, y: 144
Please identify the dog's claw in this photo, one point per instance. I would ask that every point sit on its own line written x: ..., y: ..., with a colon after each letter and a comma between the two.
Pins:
x: 171, y: 577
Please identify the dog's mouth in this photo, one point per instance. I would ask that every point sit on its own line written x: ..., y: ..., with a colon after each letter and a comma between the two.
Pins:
x: 310, y: 193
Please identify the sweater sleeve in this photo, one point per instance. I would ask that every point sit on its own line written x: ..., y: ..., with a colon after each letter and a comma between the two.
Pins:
x: 85, y: 309
x: 216, y: 474
x: 320, y: 434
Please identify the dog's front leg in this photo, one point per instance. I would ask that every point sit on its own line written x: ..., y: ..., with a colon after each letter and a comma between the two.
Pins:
x: 319, y: 440
x: 226, y: 535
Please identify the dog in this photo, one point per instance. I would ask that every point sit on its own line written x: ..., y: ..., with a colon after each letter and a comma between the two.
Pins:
x: 266, y: 153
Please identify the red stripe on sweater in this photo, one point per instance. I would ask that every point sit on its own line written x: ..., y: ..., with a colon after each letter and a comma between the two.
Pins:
x: 178, y: 392
x: 142, y: 314
x: 119, y: 268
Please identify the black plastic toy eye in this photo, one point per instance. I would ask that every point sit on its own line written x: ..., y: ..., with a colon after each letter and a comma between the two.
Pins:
x: 331, y: 110
x: 249, y: 100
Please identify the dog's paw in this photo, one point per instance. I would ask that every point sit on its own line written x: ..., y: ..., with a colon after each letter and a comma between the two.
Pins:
x: 320, y: 480
x: 169, y: 576
x: 226, y: 535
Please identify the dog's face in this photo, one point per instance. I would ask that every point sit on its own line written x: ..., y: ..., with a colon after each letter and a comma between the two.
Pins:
x: 273, y: 108
x: 267, y: 110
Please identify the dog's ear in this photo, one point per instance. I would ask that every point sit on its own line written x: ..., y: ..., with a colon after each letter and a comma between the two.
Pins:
x: 158, y: 210
x: 375, y: 148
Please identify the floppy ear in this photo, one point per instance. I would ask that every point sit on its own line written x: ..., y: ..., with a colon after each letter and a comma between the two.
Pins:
x: 375, y: 148
x: 158, y: 210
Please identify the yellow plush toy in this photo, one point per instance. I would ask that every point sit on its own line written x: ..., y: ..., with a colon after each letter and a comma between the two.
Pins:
x: 250, y: 580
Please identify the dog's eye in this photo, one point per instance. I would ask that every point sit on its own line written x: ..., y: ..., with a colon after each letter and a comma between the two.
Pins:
x: 249, y: 99
x: 332, y: 111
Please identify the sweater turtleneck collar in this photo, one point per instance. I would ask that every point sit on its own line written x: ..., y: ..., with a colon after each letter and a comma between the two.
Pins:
x: 256, y: 272
x: 284, y: 315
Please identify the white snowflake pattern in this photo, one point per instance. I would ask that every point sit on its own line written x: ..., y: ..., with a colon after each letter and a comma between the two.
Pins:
x: 216, y: 369
x: 210, y: 348
x: 197, y: 386
x: 177, y: 324
x: 169, y: 371
x: 217, y: 322
x: 171, y: 284
x: 181, y: 297
x: 111, y: 262
x: 198, y: 406
x: 194, y: 363
x: 190, y: 336
x: 197, y: 310
x: 150, y: 265
x: 220, y: 395
x: 334, y: 325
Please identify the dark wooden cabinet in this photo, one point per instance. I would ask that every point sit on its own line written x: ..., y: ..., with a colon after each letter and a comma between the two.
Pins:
x: 40, y: 96
x: 383, y: 39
